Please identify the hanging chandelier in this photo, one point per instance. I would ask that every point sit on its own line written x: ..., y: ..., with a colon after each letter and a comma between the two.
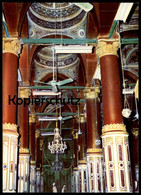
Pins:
x: 57, y: 145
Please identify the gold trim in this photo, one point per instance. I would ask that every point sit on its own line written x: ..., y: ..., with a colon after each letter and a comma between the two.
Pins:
x: 82, y: 162
x: 24, y: 92
x: 75, y: 169
x: 10, y: 126
x: 114, y: 127
x: 24, y: 150
x: 107, y: 47
x: 32, y: 118
x: 94, y: 150
x: 11, y: 45
x: 33, y: 163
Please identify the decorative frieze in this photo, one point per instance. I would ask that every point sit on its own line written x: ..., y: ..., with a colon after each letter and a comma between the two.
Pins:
x: 11, y: 45
x: 107, y: 47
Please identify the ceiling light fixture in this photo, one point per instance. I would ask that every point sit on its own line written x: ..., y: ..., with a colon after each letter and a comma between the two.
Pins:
x: 45, y: 92
x: 123, y: 11
x: 73, y: 49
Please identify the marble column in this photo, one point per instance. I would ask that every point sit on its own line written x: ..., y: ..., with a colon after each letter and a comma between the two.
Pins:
x: 94, y: 150
x: 114, y: 135
x: 11, y: 50
x: 32, y: 120
x: 24, y: 154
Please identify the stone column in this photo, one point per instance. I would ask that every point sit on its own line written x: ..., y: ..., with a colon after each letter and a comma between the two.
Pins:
x: 32, y: 120
x: 24, y: 154
x: 94, y: 150
x: 114, y: 135
x: 11, y: 50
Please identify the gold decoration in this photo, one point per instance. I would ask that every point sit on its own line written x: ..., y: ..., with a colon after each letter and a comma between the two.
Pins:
x: 24, y: 92
x: 11, y: 45
x: 91, y: 93
x: 75, y: 169
x: 107, y: 47
x: 33, y: 163
x: 82, y: 162
x: 32, y: 118
x: 82, y: 118
x: 136, y: 89
x: 135, y: 131
x: 114, y: 127
x: 24, y: 150
x: 10, y: 126
x: 41, y: 144
x: 89, y: 150
x: 37, y: 134
x: 75, y: 135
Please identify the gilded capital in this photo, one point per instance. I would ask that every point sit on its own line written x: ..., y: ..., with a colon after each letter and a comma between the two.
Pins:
x: 107, y: 47
x: 11, y: 45
x: 32, y: 118
x: 91, y: 93
x: 24, y: 92
x: 37, y: 133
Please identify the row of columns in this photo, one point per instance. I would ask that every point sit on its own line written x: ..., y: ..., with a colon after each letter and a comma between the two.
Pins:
x: 108, y: 167
x: 20, y: 173
x: 114, y: 135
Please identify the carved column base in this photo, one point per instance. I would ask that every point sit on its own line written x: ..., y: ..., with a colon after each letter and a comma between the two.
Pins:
x: 95, y: 170
x: 10, y: 150
x: 38, y: 180
x: 23, y: 171
x: 82, y: 176
x: 32, y: 176
x: 116, y: 158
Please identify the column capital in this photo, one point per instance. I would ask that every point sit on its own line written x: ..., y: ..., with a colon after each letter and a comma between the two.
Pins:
x: 32, y: 118
x: 37, y: 133
x: 91, y: 93
x: 107, y: 47
x: 24, y: 92
x: 11, y: 45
